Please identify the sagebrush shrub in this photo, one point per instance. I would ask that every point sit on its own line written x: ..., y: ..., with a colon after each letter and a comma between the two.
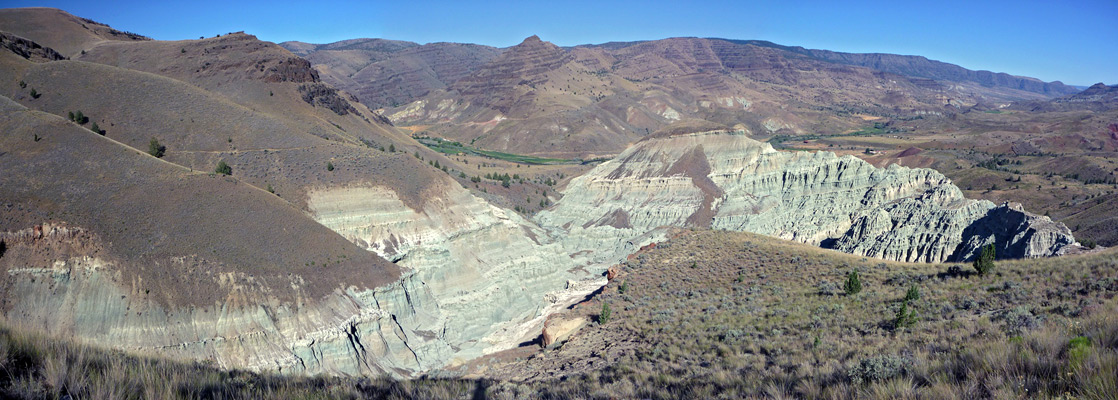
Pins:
x: 878, y: 368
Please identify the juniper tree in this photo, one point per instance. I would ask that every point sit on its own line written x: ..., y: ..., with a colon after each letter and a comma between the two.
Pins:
x: 985, y: 261
x: 853, y: 284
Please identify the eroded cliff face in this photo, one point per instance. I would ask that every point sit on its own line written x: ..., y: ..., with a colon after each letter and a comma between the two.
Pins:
x: 724, y: 180
x: 69, y: 290
x: 489, y: 269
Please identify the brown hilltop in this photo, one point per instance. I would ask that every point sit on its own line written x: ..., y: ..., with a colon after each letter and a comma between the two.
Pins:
x: 59, y: 30
x: 499, y: 84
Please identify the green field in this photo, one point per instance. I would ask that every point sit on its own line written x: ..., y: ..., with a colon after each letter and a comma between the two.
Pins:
x: 449, y: 147
x: 778, y: 140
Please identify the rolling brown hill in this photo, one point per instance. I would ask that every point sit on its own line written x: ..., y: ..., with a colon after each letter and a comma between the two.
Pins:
x: 387, y: 73
x: 587, y: 101
x: 232, y: 98
x: 137, y: 209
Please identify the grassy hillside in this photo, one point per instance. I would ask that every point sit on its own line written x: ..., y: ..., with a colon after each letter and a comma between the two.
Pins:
x: 728, y: 315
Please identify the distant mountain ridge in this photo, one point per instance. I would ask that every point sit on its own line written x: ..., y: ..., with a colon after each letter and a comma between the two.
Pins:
x: 473, y: 56
x: 1097, y: 97
x: 922, y: 67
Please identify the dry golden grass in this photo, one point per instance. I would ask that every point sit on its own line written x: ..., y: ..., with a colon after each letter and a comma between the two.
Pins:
x: 727, y: 315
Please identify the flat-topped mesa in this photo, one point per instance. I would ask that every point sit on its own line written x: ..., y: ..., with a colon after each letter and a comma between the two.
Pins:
x: 722, y: 179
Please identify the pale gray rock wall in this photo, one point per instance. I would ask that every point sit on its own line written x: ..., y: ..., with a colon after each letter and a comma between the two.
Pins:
x: 350, y: 332
x: 724, y: 180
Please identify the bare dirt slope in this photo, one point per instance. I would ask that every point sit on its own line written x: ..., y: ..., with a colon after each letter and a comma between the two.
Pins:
x: 144, y: 212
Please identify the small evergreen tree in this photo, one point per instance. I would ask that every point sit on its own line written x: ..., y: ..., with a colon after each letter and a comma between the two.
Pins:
x: 985, y: 261
x: 391, y: 148
x: 154, y: 148
x: 34, y: 93
x: 624, y: 287
x: 80, y: 118
x: 606, y: 313
x: 912, y: 294
x: 853, y: 284
x: 223, y: 168
x: 904, y: 317
x: 96, y: 128
x: 329, y: 166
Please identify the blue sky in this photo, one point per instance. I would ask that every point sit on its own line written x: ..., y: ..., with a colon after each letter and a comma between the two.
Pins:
x: 1074, y: 42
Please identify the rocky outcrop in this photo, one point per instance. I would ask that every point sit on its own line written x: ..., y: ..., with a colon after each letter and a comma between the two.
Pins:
x: 559, y: 327
x: 724, y: 180
x: 320, y: 95
x: 27, y: 49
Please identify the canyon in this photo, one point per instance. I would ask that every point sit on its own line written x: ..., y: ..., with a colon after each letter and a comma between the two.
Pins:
x: 338, y: 246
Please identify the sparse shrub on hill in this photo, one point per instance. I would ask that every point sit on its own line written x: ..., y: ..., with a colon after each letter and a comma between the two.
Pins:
x: 154, y: 148
x: 22, y: 85
x: 78, y: 117
x: 985, y: 261
x: 223, y: 168
x: 853, y: 283
x: 825, y: 287
x: 878, y: 368
x: 1020, y: 320
x: 1088, y: 243
x: 97, y: 129
x: 35, y: 94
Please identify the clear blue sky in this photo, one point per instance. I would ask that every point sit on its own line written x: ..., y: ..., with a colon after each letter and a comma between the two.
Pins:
x: 1071, y: 41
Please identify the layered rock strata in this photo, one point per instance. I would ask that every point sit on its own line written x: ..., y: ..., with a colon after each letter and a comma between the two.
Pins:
x: 724, y: 180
